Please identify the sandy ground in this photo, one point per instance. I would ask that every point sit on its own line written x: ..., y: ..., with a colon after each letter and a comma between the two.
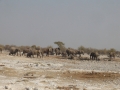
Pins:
x: 51, y: 73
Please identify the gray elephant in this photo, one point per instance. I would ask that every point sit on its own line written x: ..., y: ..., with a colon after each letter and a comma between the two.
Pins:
x: 31, y: 53
x: 79, y: 52
x: 47, y: 51
x: 26, y: 50
x: 94, y: 55
x: 111, y: 55
x: 14, y: 51
x: 57, y: 51
x: 0, y: 50
x: 70, y: 51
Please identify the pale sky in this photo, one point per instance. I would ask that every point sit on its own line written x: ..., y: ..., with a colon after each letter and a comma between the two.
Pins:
x: 90, y: 23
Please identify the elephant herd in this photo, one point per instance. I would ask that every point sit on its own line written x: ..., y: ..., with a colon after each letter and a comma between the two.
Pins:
x: 31, y: 52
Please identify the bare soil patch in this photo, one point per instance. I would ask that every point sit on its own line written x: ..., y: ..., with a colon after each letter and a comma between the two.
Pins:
x: 56, y: 73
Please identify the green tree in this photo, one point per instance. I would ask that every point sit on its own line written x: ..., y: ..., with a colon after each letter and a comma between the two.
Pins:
x: 33, y: 46
x: 7, y: 47
x: 81, y: 48
x: 105, y: 51
x: 60, y: 45
x: 38, y: 47
x: 112, y: 50
x: 2, y: 46
x: 49, y: 47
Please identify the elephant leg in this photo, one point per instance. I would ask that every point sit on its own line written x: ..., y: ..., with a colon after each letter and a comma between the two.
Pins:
x: 42, y: 54
x: 13, y: 53
x: 33, y: 56
x: 90, y: 57
x: 68, y: 54
x: 38, y: 55
x: 79, y: 55
x: 47, y: 54
x: 28, y: 55
x: 22, y: 54
x: 96, y: 58
x: 17, y: 53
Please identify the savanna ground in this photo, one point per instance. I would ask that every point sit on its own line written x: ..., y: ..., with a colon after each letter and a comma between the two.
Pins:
x: 56, y: 73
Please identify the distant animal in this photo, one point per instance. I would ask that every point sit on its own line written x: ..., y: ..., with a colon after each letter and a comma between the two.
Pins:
x: 111, y: 55
x: 30, y: 54
x: 64, y: 54
x: 70, y: 51
x: 33, y: 52
x: 14, y: 51
x: 26, y: 50
x: 47, y: 51
x: 74, y: 52
x: 94, y: 55
x: 79, y: 52
x: 57, y: 51
x: 0, y: 50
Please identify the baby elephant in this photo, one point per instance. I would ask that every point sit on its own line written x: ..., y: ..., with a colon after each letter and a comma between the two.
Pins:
x: 29, y: 54
x: 94, y: 56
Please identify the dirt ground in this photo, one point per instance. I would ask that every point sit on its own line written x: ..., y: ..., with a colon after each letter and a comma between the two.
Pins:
x: 56, y: 73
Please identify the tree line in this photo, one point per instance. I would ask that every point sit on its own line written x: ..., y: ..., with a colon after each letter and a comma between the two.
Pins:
x: 100, y: 51
x: 61, y: 45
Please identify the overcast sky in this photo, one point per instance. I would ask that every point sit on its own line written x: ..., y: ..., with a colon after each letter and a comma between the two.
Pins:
x: 90, y: 23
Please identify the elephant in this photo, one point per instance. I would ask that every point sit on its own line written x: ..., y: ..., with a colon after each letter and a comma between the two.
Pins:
x: 64, y: 54
x: 34, y: 52
x: 70, y: 51
x: 57, y: 51
x: 0, y: 50
x: 74, y: 52
x: 111, y: 54
x: 25, y: 51
x: 79, y: 52
x: 29, y: 54
x: 14, y: 51
x: 94, y: 55
x: 47, y: 51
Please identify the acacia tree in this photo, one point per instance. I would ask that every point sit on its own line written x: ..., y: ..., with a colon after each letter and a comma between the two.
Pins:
x: 60, y: 45
x: 33, y: 46
x: 112, y: 50
x: 81, y: 48
x: 49, y: 47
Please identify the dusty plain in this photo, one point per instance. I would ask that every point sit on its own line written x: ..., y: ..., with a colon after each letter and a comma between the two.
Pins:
x: 56, y: 73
